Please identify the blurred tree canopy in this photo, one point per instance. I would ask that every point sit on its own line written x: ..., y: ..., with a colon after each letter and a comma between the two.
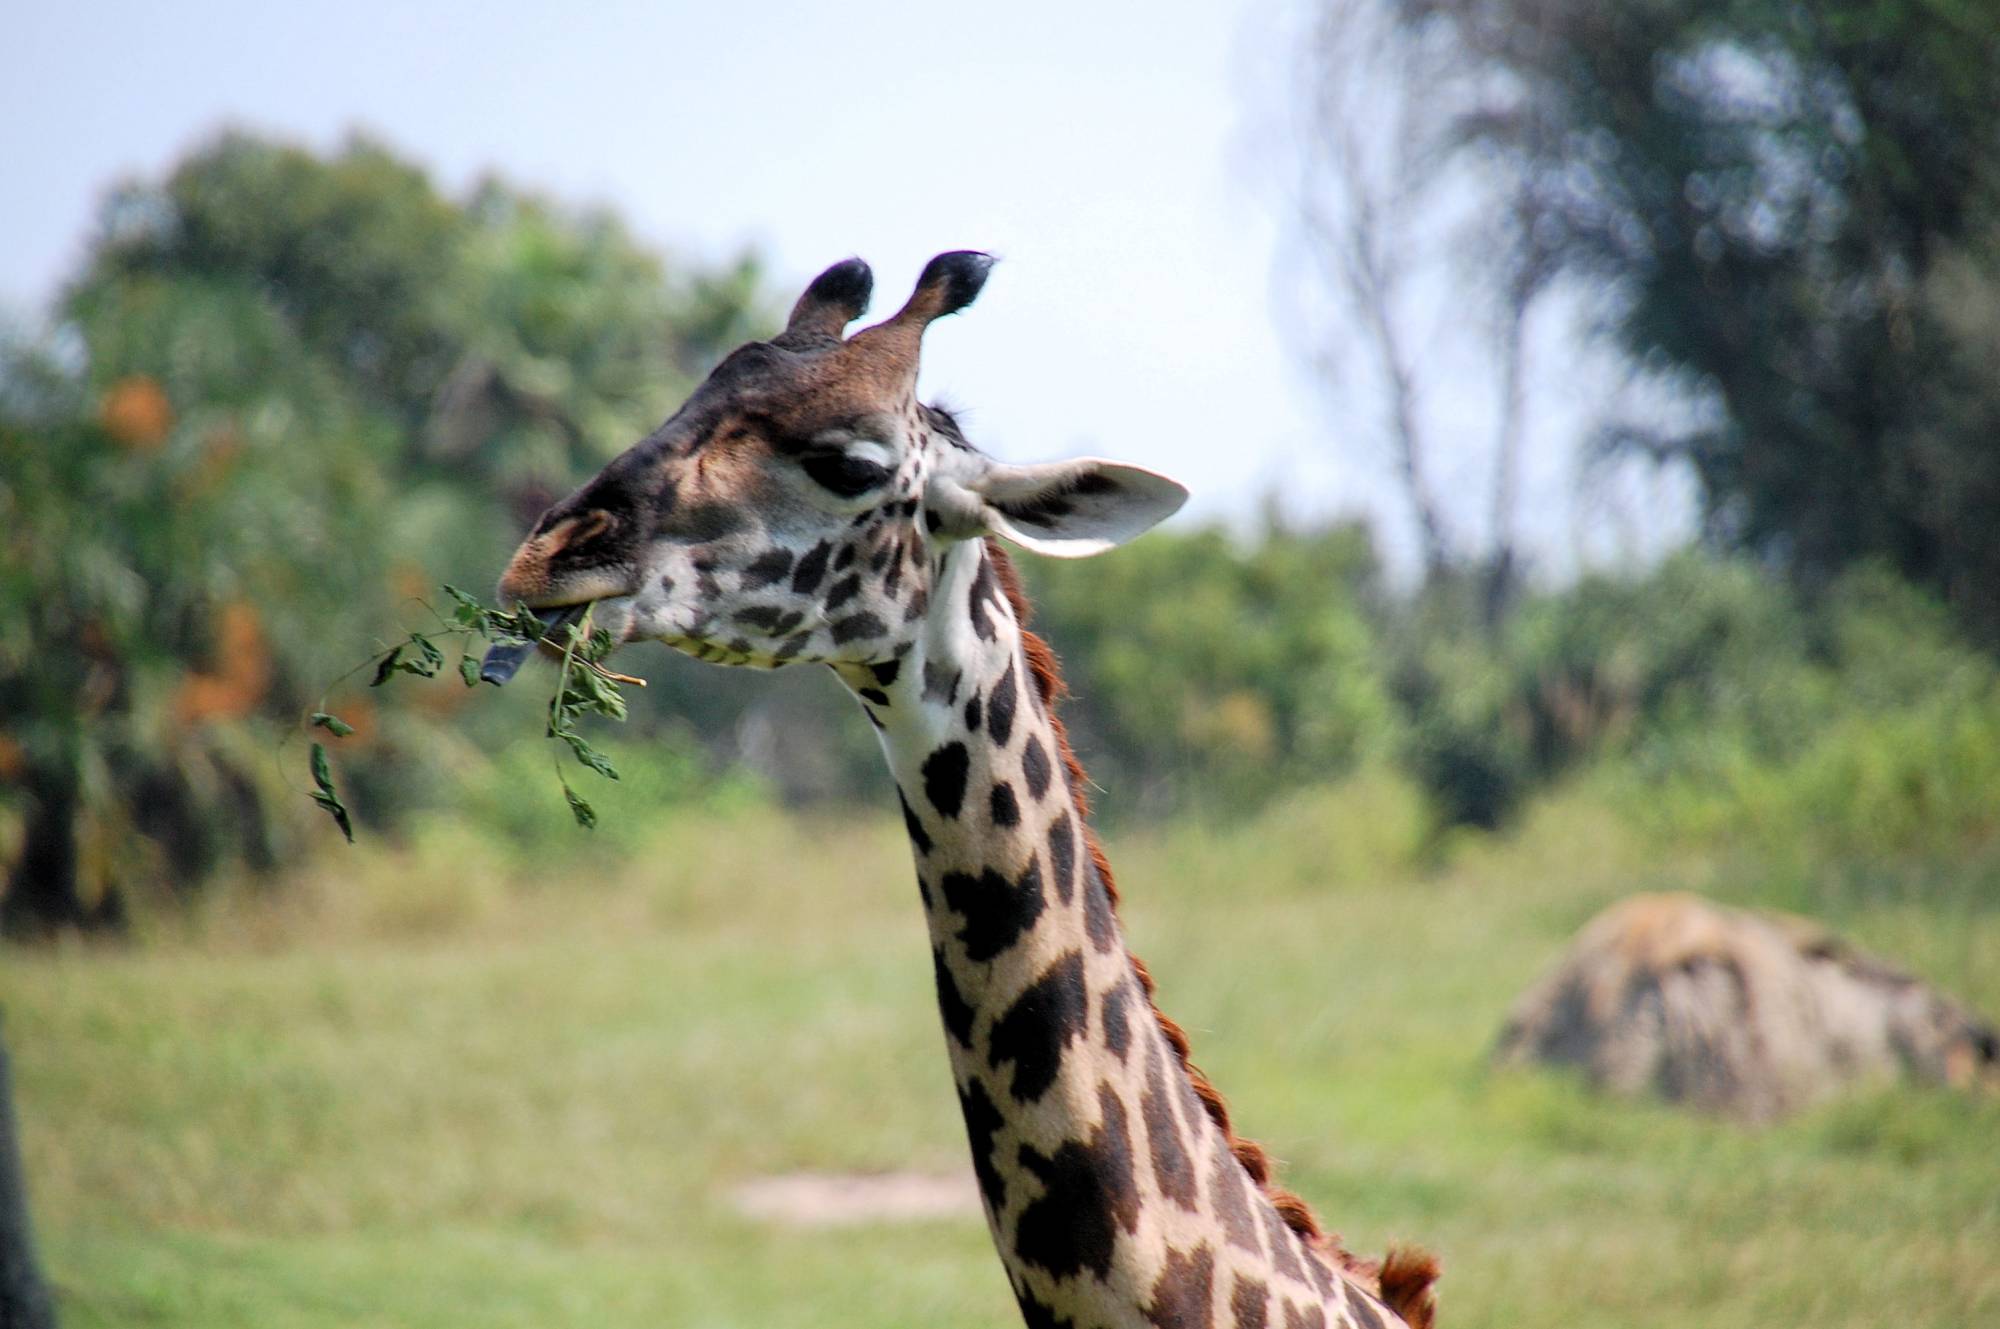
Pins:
x: 286, y: 394
x: 1700, y: 668
x: 1792, y: 212
x: 1213, y: 671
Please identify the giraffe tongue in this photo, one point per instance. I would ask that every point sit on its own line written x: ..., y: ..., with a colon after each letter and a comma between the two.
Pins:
x: 505, y: 658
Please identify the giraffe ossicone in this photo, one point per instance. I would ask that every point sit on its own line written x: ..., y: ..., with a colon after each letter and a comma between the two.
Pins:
x: 803, y: 506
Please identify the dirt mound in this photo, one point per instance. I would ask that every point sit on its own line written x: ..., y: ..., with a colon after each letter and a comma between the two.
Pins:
x: 1753, y: 1015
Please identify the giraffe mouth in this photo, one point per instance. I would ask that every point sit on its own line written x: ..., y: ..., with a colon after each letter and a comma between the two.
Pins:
x: 505, y: 658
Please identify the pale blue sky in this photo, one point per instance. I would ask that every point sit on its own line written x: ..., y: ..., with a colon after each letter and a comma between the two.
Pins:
x: 1114, y: 155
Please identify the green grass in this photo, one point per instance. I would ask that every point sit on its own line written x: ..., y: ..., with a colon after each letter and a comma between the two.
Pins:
x: 427, y: 1087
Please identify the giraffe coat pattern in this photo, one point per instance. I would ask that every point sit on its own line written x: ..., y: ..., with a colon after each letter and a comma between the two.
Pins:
x: 804, y: 507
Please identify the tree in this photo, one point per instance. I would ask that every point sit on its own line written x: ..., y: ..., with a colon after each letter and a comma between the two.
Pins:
x: 284, y: 395
x: 1216, y: 672
x: 1788, y: 211
x: 1419, y: 286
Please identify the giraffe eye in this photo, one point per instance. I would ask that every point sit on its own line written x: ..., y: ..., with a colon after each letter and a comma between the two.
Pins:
x: 844, y: 473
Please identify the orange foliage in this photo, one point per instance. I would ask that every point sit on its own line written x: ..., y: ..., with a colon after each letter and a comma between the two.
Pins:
x: 137, y: 414
x: 242, y: 675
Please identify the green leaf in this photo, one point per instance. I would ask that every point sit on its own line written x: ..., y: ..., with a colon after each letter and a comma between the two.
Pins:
x: 468, y: 611
x: 429, y: 658
x: 333, y: 724
x: 468, y: 669
x: 585, y: 815
x: 589, y: 693
x: 589, y: 755
x: 386, y: 667
x: 324, y: 795
x: 522, y: 624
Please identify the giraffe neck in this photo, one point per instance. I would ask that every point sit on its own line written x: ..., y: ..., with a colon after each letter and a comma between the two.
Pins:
x: 1114, y: 1196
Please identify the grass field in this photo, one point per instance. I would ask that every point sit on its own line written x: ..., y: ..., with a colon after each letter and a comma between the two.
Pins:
x: 427, y: 1087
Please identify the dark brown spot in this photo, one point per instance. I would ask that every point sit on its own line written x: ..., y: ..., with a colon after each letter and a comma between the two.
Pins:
x: 1087, y: 1195
x: 944, y: 778
x: 1043, y: 1021
x: 761, y: 616
x: 1367, y: 1315
x: 996, y: 912
x: 982, y: 1123
x: 918, y: 836
x: 1283, y: 1258
x: 1117, y: 1034
x: 857, y: 627
x: 983, y: 594
x: 1097, y: 920
x: 1232, y: 1204
x: 1062, y: 855
x: 1000, y: 707
x: 1182, y: 1294
x: 768, y: 567
x: 1172, y: 1168
x: 1249, y: 1303
x: 1304, y: 1317
x: 1035, y: 768
x: 1036, y: 1315
x: 1002, y: 807
x: 957, y: 1011
x: 843, y: 590
x: 812, y: 569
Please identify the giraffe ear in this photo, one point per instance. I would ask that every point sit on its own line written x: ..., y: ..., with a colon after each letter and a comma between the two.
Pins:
x: 1073, y: 509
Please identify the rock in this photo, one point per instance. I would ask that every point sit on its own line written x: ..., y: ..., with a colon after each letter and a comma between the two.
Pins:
x: 1751, y: 1015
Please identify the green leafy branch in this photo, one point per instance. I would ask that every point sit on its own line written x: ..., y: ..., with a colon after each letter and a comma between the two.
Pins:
x: 583, y: 687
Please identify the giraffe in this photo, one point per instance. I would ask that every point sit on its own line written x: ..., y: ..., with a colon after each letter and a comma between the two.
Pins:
x: 803, y: 506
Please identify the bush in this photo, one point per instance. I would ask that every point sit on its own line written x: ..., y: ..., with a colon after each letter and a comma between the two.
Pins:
x: 1713, y: 680
x: 1205, y: 670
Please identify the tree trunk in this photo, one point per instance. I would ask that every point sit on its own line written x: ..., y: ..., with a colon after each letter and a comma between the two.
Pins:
x: 25, y: 1302
x: 42, y: 895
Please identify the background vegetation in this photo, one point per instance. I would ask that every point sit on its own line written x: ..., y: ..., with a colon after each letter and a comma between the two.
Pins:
x: 486, y: 1066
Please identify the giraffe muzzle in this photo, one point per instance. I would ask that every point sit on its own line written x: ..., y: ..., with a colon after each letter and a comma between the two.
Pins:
x: 505, y: 658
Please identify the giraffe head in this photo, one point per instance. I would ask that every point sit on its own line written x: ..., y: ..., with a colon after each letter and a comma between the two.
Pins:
x: 793, y: 508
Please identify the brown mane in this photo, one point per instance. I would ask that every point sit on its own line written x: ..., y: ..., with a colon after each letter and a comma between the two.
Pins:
x: 1404, y: 1277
